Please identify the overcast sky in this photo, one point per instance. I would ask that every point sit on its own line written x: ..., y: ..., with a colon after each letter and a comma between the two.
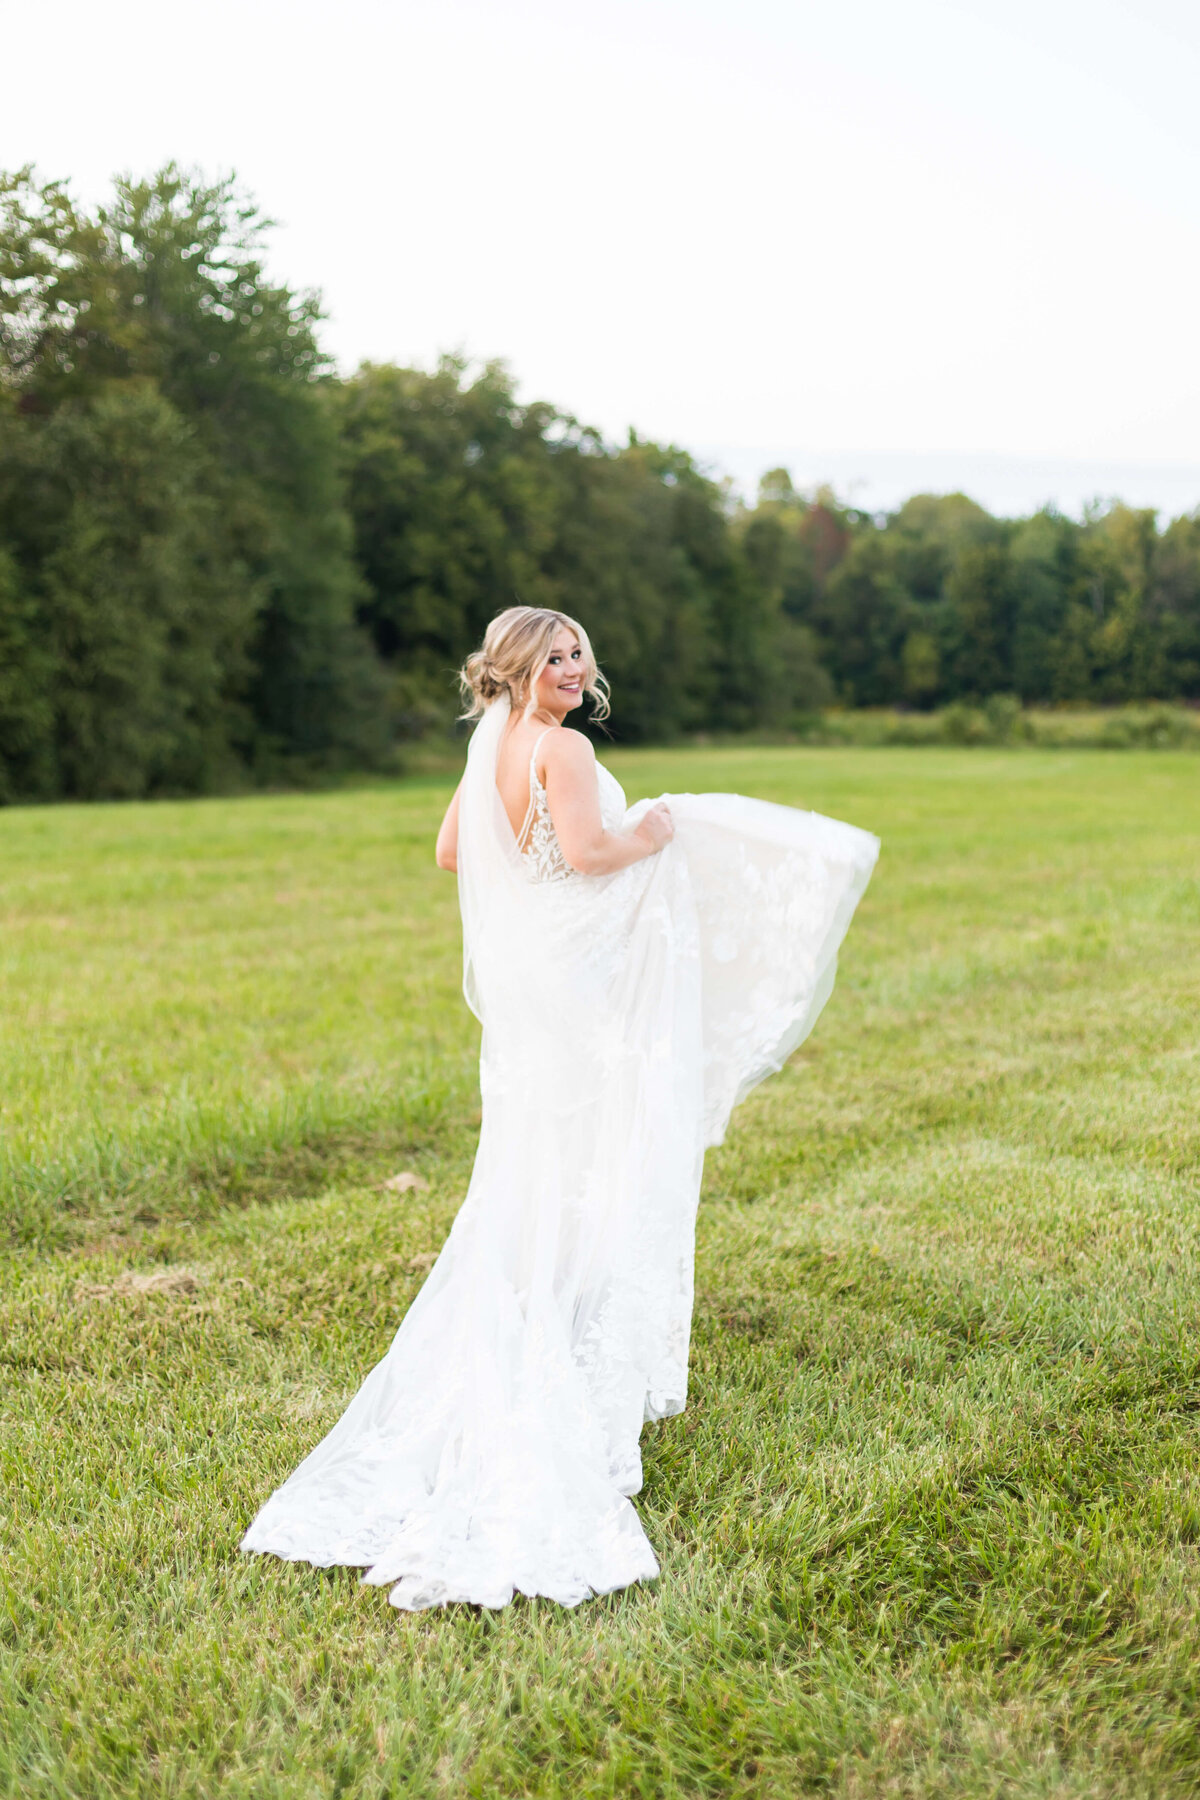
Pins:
x: 901, y: 245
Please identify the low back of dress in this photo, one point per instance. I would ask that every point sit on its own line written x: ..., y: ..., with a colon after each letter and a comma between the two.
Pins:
x: 537, y: 839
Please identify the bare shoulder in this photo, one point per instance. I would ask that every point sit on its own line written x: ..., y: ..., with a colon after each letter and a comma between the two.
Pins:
x: 567, y: 750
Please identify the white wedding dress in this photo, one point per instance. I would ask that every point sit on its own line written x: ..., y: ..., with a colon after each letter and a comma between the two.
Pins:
x: 495, y: 1447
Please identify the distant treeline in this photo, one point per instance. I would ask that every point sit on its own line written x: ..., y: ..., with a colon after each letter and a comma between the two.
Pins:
x: 220, y: 564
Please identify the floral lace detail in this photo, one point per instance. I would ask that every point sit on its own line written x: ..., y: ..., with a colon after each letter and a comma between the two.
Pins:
x: 538, y: 842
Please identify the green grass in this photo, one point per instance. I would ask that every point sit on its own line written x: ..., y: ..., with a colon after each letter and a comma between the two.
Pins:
x: 931, y: 1524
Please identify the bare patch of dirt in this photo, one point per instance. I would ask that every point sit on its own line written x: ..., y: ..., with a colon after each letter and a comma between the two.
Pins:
x: 406, y: 1180
x: 176, y: 1280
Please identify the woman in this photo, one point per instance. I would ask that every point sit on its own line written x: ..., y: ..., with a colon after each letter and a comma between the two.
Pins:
x: 635, y: 974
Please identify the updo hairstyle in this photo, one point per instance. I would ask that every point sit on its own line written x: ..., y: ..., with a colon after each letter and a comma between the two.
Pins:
x: 516, y: 648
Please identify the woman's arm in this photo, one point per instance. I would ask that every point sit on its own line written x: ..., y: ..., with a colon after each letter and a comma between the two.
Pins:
x: 447, y: 838
x: 574, y: 802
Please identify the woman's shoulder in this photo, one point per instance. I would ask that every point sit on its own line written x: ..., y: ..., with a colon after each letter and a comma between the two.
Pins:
x: 565, y: 748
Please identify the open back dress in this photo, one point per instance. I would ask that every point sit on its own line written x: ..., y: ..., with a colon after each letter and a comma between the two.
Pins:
x: 495, y: 1447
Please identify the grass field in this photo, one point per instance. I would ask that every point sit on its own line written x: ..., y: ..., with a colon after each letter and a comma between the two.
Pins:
x: 931, y: 1524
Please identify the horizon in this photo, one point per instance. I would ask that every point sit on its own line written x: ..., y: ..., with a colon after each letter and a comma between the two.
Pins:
x: 1008, y: 487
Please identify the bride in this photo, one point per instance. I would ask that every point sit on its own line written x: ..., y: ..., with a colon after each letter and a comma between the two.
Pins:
x: 635, y: 973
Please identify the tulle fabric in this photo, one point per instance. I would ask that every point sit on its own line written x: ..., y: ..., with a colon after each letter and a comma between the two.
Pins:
x: 495, y: 1447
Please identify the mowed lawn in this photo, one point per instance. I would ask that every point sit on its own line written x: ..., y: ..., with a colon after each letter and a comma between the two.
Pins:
x: 931, y: 1524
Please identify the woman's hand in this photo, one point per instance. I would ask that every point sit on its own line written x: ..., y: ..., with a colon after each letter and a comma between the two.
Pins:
x: 656, y: 827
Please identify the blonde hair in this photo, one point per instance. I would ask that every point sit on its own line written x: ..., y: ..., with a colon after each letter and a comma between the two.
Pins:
x: 516, y: 648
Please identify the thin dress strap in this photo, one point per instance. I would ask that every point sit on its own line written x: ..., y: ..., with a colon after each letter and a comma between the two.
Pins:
x: 534, y: 784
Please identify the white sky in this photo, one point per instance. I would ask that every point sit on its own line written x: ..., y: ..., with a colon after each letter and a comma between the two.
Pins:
x: 882, y: 241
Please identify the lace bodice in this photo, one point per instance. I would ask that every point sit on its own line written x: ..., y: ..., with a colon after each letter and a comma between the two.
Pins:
x: 538, y: 841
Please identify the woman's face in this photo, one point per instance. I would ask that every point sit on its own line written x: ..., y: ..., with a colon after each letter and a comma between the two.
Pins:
x: 559, y: 687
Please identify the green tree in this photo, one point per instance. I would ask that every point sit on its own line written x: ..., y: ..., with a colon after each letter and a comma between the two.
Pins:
x: 27, y: 761
x: 455, y: 505
x: 980, y: 617
x: 1173, y: 612
x: 781, y: 544
x: 863, y: 620
x: 133, y: 633
x: 926, y: 535
x: 465, y: 501
x: 622, y: 568
x: 157, y: 301
x: 1042, y: 552
x: 921, y: 666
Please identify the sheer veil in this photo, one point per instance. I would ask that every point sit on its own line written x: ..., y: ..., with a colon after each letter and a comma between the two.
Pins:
x: 490, y: 877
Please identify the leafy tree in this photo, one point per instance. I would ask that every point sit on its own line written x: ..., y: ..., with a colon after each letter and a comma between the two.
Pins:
x: 455, y: 506
x: 622, y: 567
x: 863, y: 621
x: 27, y: 762
x: 980, y: 617
x: 465, y: 501
x: 929, y: 532
x: 1041, y: 561
x: 781, y: 544
x: 1173, y: 612
x: 133, y: 633
x: 921, y: 666
x: 155, y: 312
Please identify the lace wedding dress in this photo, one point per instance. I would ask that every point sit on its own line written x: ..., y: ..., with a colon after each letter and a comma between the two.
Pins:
x: 495, y: 1447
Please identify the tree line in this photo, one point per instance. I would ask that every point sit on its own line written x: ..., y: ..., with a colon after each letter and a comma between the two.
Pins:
x: 221, y: 564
